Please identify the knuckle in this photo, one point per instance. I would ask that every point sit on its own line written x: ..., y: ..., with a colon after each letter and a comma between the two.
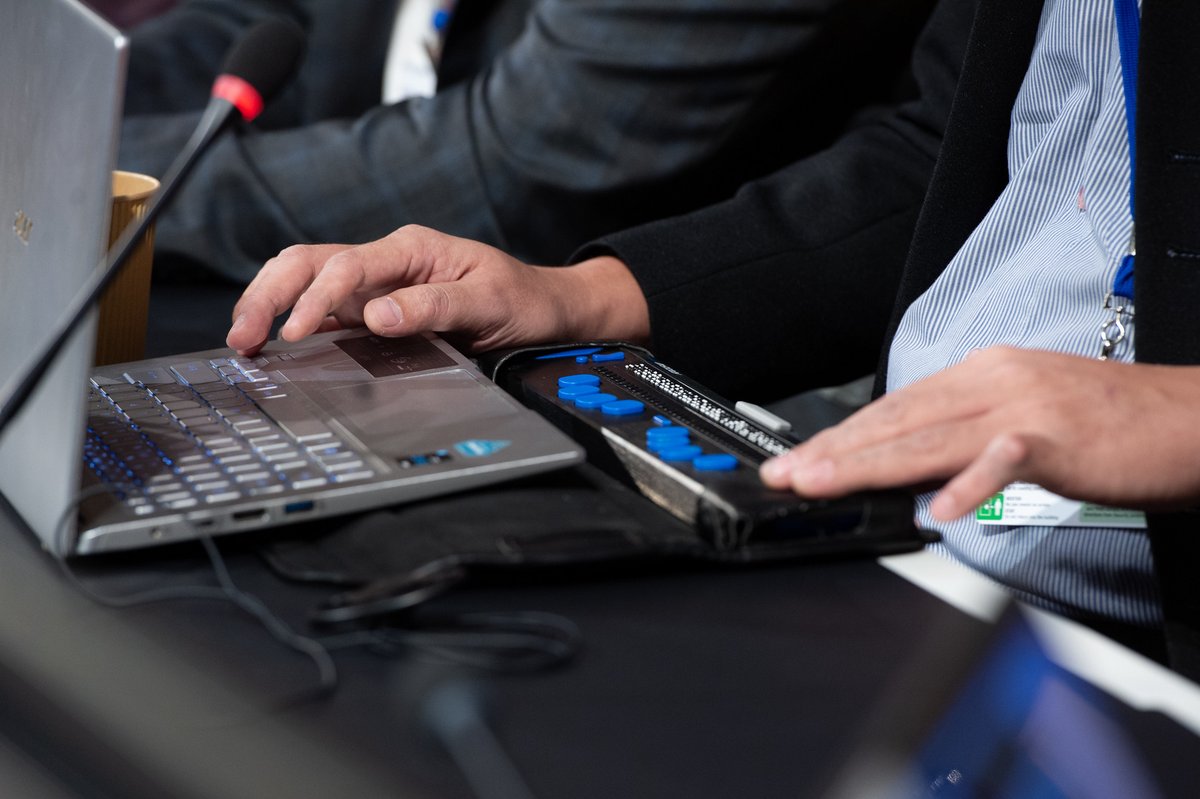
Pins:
x: 417, y: 243
x: 892, y: 409
x: 340, y: 262
x: 291, y: 252
x: 432, y: 303
x: 343, y: 272
x: 1013, y: 449
x: 1009, y: 364
x: 996, y: 354
x: 412, y: 235
x: 256, y: 296
x: 413, y: 229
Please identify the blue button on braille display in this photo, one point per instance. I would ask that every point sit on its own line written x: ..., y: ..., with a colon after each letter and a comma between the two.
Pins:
x: 666, y: 433
x: 658, y: 445
x: 593, y: 400
x: 581, y: 359
x: 623, y: 408
x: 662, y: 421
x: 717, y: 462
x: 685, y: 453
x: 571, y: 392
x: 601, y: 357
x: 581, y: 379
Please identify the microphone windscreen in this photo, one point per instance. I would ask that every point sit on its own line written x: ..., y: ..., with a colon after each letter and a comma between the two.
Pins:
x: 267, y: 55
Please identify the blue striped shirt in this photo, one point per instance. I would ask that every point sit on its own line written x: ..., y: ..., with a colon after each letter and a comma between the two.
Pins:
x: 1034, y: 274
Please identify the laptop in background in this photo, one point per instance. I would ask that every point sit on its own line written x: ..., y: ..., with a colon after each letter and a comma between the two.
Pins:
x: 985, y: 712
x: 203, y: 443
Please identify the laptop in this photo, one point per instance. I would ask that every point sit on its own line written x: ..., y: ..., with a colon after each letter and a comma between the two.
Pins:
x: 205, y: 443
x: 984, y: 712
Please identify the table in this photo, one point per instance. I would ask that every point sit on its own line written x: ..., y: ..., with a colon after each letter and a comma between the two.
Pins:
x: 696, y: 682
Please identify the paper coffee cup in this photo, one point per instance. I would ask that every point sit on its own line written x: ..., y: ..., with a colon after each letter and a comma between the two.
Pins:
x: 124, y: 305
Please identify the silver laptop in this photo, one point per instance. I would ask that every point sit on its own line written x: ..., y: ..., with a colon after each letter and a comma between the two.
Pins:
x: 208, y: 442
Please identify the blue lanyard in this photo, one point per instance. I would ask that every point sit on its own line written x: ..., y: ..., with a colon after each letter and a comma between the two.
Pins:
x: 1128, y: 23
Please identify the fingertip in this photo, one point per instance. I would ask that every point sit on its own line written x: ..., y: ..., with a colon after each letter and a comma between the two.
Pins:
x: 774, y: 472
x: 811, y: 475
x: 241, y: 336
x: 243, y: 347
x: 236, y: 327
x: 292, y: 330
x: 946, y: 507
x: 383, y: 315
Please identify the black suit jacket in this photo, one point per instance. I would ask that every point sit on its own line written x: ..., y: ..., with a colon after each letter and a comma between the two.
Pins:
x: 555, y: 120
x: 802, y: 279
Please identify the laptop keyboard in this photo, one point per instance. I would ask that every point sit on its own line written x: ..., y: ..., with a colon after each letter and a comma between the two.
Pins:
x: 199, y: 434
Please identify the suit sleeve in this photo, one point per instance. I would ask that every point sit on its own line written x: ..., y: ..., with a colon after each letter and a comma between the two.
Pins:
x: 790, y: 284
x: 600, y: 114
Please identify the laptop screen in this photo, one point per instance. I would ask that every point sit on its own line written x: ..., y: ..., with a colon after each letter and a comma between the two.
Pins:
x: 993, y: 716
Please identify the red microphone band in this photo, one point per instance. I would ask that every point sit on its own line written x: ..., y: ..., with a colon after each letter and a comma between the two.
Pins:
x: 244, y: 97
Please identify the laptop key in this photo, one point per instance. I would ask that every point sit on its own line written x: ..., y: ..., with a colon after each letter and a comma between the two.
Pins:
x: 344, y: 466
x: 345, y: 477
x: 297, y: 419
x: 234, y: 459
x: 211, y: 485
x: 203, y: 477
x: 312, y: 482
x: 150, y: 376
x: 184, y: 414
x: 195, y: 373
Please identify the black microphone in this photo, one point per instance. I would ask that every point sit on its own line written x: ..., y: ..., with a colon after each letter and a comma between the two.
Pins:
x: 257, y: 66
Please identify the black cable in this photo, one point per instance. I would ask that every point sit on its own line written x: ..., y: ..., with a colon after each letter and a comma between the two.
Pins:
x: 521, y: 641
x: 277, y: 627
x: 225, y: 590
x: 63, y: 545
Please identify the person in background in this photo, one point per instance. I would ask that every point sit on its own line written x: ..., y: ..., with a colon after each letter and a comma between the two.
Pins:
x: 529, y: 124
x: 127, y: 13
x: 1024, y: 344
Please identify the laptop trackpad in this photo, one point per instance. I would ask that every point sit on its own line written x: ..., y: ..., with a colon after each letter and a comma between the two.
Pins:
x: 378, y: 410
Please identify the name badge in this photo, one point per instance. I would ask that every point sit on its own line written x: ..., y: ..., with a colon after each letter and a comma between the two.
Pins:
x: 1023, y: 504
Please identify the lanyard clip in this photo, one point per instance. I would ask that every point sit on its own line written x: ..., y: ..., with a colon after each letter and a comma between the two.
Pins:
x: 1112, y: 330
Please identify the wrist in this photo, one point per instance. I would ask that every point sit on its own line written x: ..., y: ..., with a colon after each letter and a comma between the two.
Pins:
x: 601, y: 299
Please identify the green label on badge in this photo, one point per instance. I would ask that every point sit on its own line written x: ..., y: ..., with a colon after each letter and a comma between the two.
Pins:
x: 992, y: 510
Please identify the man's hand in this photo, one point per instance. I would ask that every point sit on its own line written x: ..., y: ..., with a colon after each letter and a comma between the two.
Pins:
x: 1126, y: 435
x: 417, y: 279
